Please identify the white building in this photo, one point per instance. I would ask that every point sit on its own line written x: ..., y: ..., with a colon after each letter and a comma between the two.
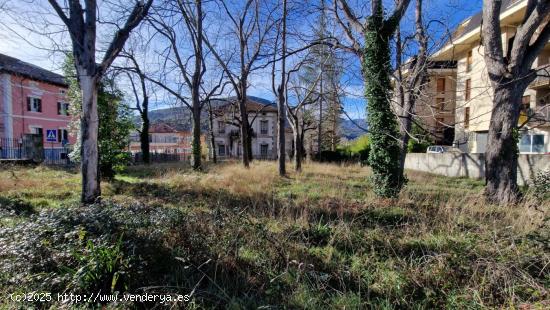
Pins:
x: 262, y: 116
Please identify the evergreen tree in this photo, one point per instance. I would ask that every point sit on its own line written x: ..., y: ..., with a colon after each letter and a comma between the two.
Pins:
x: 115, y: 122
x: 324, y: 68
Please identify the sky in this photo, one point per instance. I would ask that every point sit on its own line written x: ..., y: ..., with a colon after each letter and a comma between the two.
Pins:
x: 16, y: 40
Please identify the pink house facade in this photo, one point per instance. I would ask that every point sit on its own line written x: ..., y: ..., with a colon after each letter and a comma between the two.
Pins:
x: 33, y: 101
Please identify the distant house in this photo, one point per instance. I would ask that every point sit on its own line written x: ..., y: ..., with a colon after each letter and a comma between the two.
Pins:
x: 33, y: 101
x: 262, y: 116
x: 164, y: 139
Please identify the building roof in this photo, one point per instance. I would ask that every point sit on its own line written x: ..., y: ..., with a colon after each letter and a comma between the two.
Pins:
x: 161, y: 128
x: 468, y: 32
x: 474, y: 21
x: 18, y: 67
x: 253, y: 104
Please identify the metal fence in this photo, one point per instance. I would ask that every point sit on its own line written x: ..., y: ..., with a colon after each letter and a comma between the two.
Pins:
x: 11, y: 149
x: 30, y: 148
x: 160, y: 157
x: 57, y: 156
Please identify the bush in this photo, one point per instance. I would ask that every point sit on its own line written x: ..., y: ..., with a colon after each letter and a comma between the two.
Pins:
x: 541, y: 185
x: 354, y: 151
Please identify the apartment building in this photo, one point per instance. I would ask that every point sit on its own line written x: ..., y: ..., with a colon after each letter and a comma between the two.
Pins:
x: 435, y: 108
x: 262, y: 116
x: 473, y: 93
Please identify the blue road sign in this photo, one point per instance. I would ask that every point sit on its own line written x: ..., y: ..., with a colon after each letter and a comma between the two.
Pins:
x: 51, y: 135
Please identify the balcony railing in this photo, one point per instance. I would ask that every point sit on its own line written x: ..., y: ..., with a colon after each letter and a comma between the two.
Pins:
x: 540, y: 82
x: 539, y: 116
x: 543, y: 78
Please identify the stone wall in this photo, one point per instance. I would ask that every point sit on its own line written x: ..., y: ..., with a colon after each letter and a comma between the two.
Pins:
x: 472, y: 165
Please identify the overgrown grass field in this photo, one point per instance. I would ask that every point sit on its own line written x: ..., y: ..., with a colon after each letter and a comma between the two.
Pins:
x: 235, y: 238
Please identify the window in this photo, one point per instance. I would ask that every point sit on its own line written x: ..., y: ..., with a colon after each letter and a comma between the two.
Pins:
x: 440, y: 85
x: 439, y: 125
x: 37, y: 131
x: 264, y: 149
x: 525, y: 103
x: 531, y: 143
x: 466, y: 117
x: 62, y: 135
x: 440, y: 103
x: 468, y: 90
x: 34, y: 104
x: 221, y: 127
x: 221, y: 149
x: 263, y: 127
x: 481, y: 141
x: 62, y: 108
x: 469, y: 61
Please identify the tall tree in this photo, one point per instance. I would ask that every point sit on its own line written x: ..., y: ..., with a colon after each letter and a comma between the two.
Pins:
x: 409, y: 86
x: 81, y: 23
x: 191, y: 68
x: 300, y: 115
x: 250, y: 26
x: 324, y: 60
x: 377, y: 31
x: 115, y: 121
x: 141, y: 96
x: 510, y: 73
x: 280, y: 92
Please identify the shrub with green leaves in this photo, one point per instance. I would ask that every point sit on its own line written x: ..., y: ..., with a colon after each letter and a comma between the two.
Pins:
x: 541, y: 184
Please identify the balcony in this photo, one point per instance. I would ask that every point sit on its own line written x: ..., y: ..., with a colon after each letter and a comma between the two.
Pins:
x: 537, y: 117
x: 543, y: 79
x: 541, y: 82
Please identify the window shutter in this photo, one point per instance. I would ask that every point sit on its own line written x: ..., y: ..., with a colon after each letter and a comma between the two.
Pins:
x: 59, y: 132
x: 39, y: 105
x: 58, y: 108
x: 28, y: 103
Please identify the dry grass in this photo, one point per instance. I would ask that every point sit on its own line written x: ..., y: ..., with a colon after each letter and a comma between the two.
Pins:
x: 321, y: 239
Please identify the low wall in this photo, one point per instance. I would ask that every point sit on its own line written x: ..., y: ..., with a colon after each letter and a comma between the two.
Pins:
x: 472, y: 165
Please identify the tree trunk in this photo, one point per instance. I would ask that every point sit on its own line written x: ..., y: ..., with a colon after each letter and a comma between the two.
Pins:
x: 281, y: 107
x: 298, y: 151
x: 281, y: 154
x: 89, y: 127
x: 144, y: 134
x: 320, y: 129
x: 406, y: 126
x: 211, y: 134
x: 501, y: 154
x: 244, y: 131
x: 385, y: 149
x: 196, y: 142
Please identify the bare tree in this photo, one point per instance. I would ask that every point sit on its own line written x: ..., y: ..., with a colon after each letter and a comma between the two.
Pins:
x: 251, y: 26
x: 168, y: 18
x: 300, y: 117
x: 81, y: 23
x: 409, y: 87
x: 280, y: 92
x: 510, y: 73
x: 141, y: 95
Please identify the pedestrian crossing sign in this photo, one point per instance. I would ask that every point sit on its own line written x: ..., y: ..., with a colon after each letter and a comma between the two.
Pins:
x: 51, y: 135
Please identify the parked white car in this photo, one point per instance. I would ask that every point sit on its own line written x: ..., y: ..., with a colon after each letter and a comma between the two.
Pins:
x: 442, y: 149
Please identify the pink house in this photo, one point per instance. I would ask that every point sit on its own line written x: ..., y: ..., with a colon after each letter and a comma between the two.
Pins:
x: 32, y: 100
